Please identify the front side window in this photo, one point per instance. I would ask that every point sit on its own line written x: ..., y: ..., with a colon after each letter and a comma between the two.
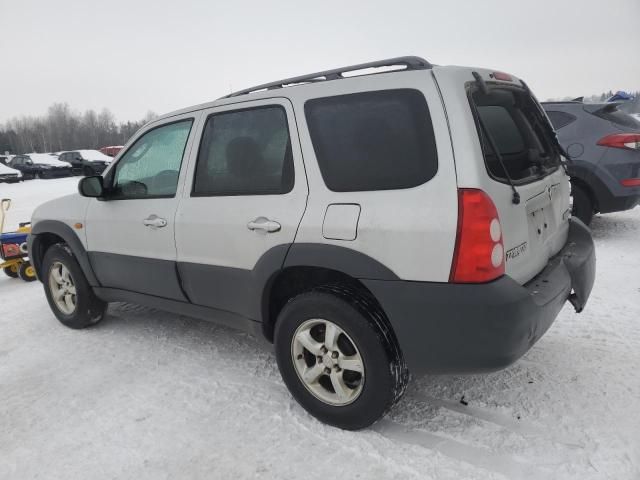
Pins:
x: 379, y: 140
x: 245, y: 152
x: 151, y: 166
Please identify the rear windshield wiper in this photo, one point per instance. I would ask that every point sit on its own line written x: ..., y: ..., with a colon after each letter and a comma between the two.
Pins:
x: 515, y: 199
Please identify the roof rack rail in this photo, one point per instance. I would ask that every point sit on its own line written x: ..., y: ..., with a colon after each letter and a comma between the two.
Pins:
x: 410, y: 63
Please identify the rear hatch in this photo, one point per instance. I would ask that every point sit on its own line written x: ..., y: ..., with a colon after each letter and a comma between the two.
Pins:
x: 527, y: 180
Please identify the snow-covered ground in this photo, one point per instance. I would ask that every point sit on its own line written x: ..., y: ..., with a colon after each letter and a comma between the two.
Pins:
x: 148, y: 394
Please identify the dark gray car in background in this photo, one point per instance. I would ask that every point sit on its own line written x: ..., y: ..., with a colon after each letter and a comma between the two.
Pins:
x: 603, y: 144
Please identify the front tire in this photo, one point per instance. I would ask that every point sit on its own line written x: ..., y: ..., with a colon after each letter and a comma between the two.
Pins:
x: 335, y: 360
x: 70, y: 296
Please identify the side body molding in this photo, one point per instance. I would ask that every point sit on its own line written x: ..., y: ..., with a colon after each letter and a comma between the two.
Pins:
x: 345, y: 260
x: 244, y: 292
x: 223, y: 289
x: 64, y: 231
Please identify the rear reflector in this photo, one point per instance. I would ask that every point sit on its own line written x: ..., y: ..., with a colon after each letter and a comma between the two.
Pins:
x: 630, y: 182
x: 621, y: 140
x: 479, y: 252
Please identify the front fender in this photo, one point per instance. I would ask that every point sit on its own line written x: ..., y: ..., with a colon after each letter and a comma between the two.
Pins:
x: 43, y: 235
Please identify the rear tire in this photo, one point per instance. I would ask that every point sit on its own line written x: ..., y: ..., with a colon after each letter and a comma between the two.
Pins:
x: 11, y: 271
x: 361, y: 397
x: 70, y: 296
x: 583, y: 207
x: 26, y: 272
x: 88, y: 172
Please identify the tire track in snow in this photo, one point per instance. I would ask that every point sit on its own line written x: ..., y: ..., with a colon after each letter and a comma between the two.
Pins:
x: 479, y: 457
x: 521, y: 427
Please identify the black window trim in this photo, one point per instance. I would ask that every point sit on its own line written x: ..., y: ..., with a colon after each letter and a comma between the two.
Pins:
x: 379, y: 90
x: 194, y: 194
x: 108, y: 179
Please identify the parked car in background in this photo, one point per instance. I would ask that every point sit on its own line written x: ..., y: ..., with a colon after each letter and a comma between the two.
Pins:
x: 329, y: 213
x: 4, y: 159
x: 112, y: 151
x: 40, y: 165
x: 9, y: 175
x: 85, y: 162
x: 603, y: 144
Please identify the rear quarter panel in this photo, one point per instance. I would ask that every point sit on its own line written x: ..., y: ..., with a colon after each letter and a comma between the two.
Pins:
x: 410, y: 231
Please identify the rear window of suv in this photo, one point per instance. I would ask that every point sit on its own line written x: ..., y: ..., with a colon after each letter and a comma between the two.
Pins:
x: 380, y: 140
x: 512, y: 128
x: 618, y: 117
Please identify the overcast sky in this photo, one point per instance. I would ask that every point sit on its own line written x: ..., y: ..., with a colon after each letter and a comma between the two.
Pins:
x: 133, y: 56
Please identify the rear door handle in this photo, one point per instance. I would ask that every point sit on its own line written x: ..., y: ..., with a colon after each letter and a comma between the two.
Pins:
x: 154, y: 222
x: 264, y: 225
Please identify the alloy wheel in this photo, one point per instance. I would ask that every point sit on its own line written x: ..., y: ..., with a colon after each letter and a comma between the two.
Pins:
x: 63, y: 289
x: 327, y: 362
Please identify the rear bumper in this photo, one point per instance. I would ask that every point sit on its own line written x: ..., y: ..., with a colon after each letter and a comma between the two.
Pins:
x: 603, y: 180
x: 609, y: 203
x: 466, y: 328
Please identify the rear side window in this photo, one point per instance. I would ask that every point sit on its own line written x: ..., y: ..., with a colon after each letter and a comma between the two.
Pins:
x: 560, y: 119
x: 379, y: 140
x: 245, y: 152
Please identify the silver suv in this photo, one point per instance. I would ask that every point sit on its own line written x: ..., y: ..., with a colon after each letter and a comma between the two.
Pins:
x: 371, y: 221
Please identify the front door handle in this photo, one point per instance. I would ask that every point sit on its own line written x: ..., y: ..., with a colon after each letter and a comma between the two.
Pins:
x: 262, y: 224
x: 154, y: 222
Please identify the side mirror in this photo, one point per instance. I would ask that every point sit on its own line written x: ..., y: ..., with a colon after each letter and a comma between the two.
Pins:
x: 91, y: 187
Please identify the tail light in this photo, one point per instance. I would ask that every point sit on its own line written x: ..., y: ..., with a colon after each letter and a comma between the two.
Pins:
x: 630, y: 182
x: 479, y: 252
x: 621, y: 140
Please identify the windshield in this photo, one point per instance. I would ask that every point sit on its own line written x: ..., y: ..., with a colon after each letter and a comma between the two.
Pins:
x: 509, y: 121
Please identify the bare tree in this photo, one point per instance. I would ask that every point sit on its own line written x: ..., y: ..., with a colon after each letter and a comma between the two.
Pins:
x: 64, y: 129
